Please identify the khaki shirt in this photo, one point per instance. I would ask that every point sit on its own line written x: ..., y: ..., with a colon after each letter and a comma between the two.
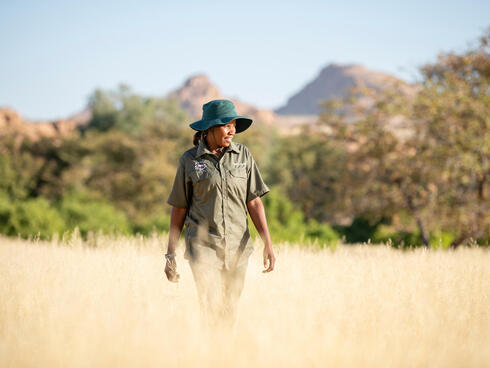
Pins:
x: 215, y: 193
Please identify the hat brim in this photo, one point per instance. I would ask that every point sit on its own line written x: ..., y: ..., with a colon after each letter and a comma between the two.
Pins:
x: 242, y: 123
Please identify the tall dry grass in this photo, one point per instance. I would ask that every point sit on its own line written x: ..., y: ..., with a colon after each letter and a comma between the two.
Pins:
x: 364, y: 306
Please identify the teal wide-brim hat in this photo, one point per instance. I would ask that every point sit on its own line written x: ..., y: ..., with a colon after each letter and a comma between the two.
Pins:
x: 220, y: 112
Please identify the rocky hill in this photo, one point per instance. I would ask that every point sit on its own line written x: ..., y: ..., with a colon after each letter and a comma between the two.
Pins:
x: 334, y: 81
x: 198, y: 89
x: 12, y: 123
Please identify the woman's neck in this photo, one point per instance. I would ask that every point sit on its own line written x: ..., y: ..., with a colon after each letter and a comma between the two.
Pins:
x: 213, y: 147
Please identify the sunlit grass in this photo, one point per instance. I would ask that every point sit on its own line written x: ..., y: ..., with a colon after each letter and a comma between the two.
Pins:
x: 109, y: 306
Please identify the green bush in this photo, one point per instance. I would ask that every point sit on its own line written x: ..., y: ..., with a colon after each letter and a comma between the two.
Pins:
x: 6, y: 209
x: 387, y: 234
x: 359, y: 231
x: 88, y: 214
x: 157, y: 223
x: 321, y: 233
x: 287, y: 223
x: 29, y: 218
x: 441, y: 239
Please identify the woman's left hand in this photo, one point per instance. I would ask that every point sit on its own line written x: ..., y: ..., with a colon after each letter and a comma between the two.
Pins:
x: 269, y: 259
x: 171, y: 270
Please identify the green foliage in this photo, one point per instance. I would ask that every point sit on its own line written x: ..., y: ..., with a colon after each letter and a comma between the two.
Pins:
x: 320, y: 233
x: 156, y: 223
x: 6, y: 209
x: 88, y: 214
x: 403, y: 239
x: 8, y: 178
x: 126, y: 111
x: 310, y: 171
x: 133, y: 173
x: 20, y: 169
x: 436, y: 165
x: 454, y: 107
x: 441, y: 239
x: 123, y: 161
x: 130, y: 163
x: 287, y: 223
x: 388, y: 235
x: 29, y: 218
x: 359, y: 231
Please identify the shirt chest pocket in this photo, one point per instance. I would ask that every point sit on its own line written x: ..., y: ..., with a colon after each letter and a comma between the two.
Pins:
x: 204, y: 182
x: 200, y: 175
x: 238, y: 174
x: 237, y: 182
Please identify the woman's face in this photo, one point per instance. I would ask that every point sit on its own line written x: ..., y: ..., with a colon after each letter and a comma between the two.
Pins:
x: 222, y: 135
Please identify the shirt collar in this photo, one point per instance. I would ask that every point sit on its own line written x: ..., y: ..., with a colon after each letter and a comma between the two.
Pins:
x: 202, y: 149
x: 234, y: 148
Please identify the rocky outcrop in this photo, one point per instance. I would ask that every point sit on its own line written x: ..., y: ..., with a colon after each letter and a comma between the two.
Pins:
x: 12, y: 123
x: 198, y: 89
x: 335, y: 81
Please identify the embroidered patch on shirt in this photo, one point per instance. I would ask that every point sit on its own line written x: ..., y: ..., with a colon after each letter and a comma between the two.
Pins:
x: 199, y: 166
x: 239, y: 164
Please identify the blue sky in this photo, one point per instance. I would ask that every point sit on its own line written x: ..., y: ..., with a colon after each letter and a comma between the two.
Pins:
x: 54, y: 53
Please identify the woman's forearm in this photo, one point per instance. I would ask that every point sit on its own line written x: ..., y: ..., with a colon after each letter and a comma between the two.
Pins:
x: 177, y: 219
x: 257, y: 214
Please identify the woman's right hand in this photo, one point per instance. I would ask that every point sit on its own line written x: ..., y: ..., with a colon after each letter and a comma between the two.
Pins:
x: 177, y: 218
x: 171, y: 270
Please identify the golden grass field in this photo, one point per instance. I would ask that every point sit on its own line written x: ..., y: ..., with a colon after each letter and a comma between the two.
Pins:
x: 358, y: 306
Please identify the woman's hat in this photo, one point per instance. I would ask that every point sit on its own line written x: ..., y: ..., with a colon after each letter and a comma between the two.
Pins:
x: 220, y: 112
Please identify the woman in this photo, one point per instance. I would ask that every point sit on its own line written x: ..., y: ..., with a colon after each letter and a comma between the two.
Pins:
x: 216, y: 183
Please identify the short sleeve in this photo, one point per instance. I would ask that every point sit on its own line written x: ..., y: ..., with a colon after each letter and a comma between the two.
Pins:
x: 180, y: 194
x: 255, y: 185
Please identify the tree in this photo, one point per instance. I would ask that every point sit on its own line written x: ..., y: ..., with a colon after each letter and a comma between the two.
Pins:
x: 308, y: 168
x: 129, y: 112
x: 426, y: 154
x: 454, y: 114
x: 122, y: 164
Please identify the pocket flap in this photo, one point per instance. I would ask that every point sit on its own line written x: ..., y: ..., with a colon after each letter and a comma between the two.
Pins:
x: 239, y: 172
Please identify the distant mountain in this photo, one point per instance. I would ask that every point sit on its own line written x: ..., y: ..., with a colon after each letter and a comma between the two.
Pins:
x: 12, y: 123
x: 198, y: 89
x: 334, y: 81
